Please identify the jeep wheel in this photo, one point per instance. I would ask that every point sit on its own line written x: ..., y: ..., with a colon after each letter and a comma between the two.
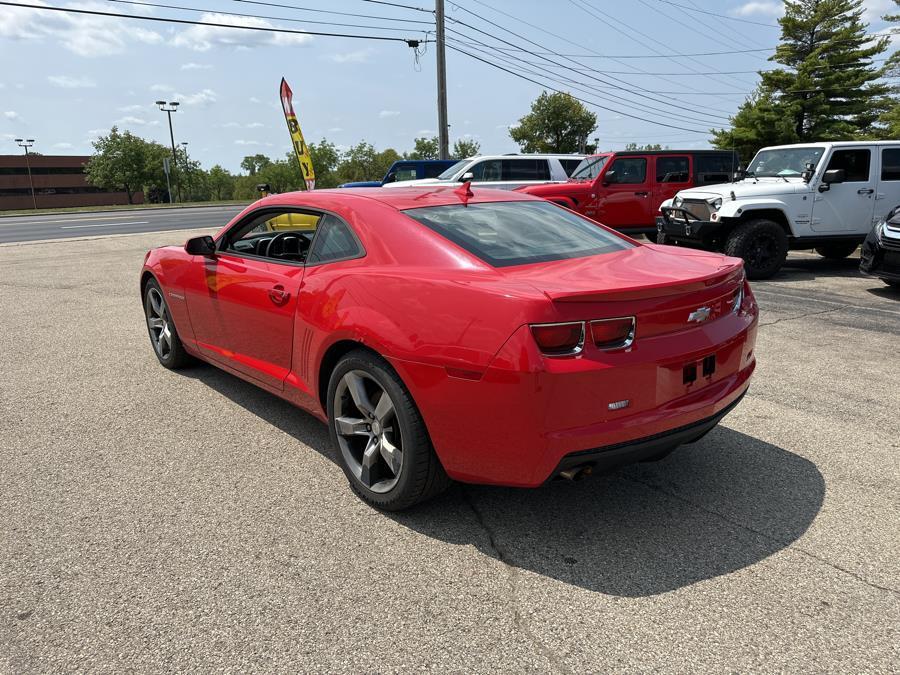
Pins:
x: 837, y: 250
x: 762, y: 244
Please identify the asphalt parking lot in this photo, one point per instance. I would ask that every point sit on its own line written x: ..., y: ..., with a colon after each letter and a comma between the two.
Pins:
x: 152, y: 520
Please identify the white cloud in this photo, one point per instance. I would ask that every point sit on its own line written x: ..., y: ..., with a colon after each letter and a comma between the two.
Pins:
x: 81, y: 34
x: 131, y: 108
x: 759, y: 8
x: 359, y: 56
x: 334, y: 130
x: 204, y: 38
x: 241, y: 141
x: 202, y: 98
x: 388, y: 113
x: 8, y: 137
x: 136, y: 121
x: 63, y: 146
x: 230, y: 125
x: 255, y: 125
x: 96, y: 132
x: 195, y: 66
x: 425, y: 132
x: 68, y: 82
x: 11, y: 115
x: 253, y: 99
x: 873, y: 10
x: 161, y: 88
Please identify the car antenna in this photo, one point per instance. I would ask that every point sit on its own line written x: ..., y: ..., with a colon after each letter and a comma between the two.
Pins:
x: 465, y: 191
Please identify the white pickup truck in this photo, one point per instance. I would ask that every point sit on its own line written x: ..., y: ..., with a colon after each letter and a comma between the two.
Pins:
x: 825, y: 196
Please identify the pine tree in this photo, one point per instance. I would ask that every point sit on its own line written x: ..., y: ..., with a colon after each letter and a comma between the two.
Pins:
x: 890, y: 120
x: 828, y: 88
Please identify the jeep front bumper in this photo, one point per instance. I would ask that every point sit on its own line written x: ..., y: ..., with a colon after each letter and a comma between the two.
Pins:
x: 680, y: 224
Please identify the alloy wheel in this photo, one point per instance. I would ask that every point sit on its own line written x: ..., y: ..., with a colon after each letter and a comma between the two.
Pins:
x: 368, y: 431
x: 159, y: 323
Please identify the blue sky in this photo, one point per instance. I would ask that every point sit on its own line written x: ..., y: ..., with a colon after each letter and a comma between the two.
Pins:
x: 79, y: 75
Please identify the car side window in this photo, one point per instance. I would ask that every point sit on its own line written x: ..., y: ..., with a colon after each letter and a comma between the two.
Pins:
x: 890, y: 164
x: 433, y: 170
x: 629, y: 170
x: 279, y: 236
x: 672, y: 170
x: 488, y: 170
x: 405, y: 172
x: 710, y: 169
x: 526, y: 169
x: 855, y: 164
x: 335, y: 241
x: 569, y: 165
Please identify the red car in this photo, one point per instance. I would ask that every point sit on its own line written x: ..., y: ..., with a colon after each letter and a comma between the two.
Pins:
x: 624, y: 190
x: 486, y: 337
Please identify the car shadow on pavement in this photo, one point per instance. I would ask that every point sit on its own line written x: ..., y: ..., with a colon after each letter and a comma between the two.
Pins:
x: 711, y: 508
x: 885, y: 291
x: 806, y: 269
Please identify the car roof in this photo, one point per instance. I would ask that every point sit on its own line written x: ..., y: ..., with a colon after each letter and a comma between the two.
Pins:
x: 828, y: 144
x: 400, y: 198
x: 536, y: 155
x: 676, y: 151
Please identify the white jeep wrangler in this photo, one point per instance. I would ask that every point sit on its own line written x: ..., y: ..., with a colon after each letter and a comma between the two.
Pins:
x: 824, y: 196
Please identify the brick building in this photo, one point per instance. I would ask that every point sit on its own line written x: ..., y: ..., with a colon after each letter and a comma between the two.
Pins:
x: 59, y: 181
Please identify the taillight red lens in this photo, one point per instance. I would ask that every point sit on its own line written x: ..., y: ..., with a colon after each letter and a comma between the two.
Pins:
x: 613, y: 333
x: 557, y: 339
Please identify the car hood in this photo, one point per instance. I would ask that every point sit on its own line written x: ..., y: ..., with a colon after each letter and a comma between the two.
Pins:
x: 749, y: 188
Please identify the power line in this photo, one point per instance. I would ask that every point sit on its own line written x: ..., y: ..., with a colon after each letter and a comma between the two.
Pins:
x: 394, y: 4
x: 71, y: 10
x: 253, y: 16
x: 721, y: 16
x: 625, y: 86
x: 592, y: 103
x: 330, y: 11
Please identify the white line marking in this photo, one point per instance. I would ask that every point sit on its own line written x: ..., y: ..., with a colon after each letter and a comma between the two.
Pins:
x: 827, y: 302
x: 79, y: 227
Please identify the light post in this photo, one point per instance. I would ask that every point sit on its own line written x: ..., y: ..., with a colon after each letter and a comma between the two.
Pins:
x: 27, y: 143
x: 169, y: 108
x: 187, y: 169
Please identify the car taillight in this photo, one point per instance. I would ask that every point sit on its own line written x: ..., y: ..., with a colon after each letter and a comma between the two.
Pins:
x: 615, y: 333
x: 559, y: 339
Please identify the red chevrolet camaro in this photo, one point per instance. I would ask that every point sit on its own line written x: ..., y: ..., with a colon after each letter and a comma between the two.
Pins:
x: 486, y: 337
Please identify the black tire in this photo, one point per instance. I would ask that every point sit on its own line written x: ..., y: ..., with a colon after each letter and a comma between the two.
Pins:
x: 762, y: 244
x: 174, y: 356
x: 421, y: 475
x: 837, y: 250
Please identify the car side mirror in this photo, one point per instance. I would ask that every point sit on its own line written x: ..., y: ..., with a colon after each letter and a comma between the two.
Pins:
x: 740, y: 174
x: 832, y: 176
x: 808, y: 172
x: 468, y: 175
x: 610, y: 177
x: 205, y: 245
x: 390, y: 178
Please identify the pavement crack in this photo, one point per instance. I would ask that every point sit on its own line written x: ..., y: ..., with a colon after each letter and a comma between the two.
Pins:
x: 513, y: 575
x: 785, y: 545
x: 802, y: 316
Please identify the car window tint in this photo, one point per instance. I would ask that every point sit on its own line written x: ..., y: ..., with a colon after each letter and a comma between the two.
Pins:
x: 855, y: 164
x: 672, y: 170
x: 570, y: 165
x: 488, y: 170
x: 526, y: 169
x: 433, y: 169
x: 630, y: 170
x: 718, y: 168
x: 515, y: 233
x: 335, y: 241
x: 405, y: 172
x: 890, y: 164
x: 283, y: 236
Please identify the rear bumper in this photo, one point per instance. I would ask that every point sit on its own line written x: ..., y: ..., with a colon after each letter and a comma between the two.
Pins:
x: 525, y: 415
x: 643, y: 449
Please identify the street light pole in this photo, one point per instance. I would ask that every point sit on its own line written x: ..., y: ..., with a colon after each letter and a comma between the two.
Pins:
x: 443, y: 129
x: 169, y: 108
x: 27, y: 143
x: 187, y: 170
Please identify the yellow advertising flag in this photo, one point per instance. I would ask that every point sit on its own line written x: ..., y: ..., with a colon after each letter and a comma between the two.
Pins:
x: 303, y: 156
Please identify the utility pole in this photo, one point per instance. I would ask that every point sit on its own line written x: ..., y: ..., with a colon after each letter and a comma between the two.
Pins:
x: 27, y: 143
x: 443, y: 128
x: 173, y: 107
x: 187, y: 171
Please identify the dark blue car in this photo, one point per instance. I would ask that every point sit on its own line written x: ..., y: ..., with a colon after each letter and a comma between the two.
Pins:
x: 407, y: 169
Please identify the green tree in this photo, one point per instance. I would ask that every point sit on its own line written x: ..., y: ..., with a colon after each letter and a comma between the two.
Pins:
x: 466, y: 147
x: 558, y: 122
x: 123, y: 161
x: 362, y: 162
x: 253, y: 163
x: 325, y: 160
x: 890, y: 120
x: 828, y: 89
x: 425, y: 148
x: 220, y: 183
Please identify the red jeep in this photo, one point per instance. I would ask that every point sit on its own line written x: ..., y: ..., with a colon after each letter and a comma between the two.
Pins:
x: 625, y: 189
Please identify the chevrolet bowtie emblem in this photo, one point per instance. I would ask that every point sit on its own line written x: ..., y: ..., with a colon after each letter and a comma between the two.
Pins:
x: 700, y: 314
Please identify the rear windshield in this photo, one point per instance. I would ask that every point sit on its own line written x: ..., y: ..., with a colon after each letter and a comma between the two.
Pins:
x: 516, y: 233
x: 589, y: 167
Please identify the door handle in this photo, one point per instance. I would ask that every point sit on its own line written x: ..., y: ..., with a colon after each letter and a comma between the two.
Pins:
x: 641, y: 194
x: 865, y: 191
x: 278, y: 295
